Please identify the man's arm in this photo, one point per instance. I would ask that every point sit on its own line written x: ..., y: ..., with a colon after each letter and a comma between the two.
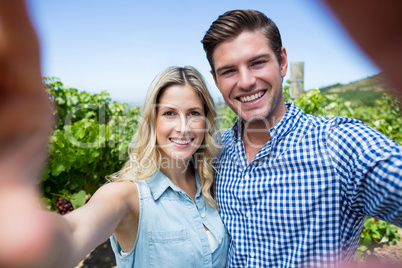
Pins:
x: 369, y: 165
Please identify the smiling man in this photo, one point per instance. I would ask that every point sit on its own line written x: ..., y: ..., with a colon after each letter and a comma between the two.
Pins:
x: 293, y: 189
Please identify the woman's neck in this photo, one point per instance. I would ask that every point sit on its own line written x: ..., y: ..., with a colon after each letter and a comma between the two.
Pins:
x: 179, y: 171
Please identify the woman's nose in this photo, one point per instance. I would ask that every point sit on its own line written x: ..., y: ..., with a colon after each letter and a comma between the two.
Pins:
x: 182, y: 124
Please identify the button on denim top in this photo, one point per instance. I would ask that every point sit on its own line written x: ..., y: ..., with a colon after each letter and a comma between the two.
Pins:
x: 171, y: 230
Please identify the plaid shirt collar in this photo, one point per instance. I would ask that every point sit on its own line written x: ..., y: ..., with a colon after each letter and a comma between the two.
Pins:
x: 284, y: 126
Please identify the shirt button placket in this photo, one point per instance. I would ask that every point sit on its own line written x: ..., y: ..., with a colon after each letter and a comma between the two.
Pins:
x: 249, y: 224
x: 248, y: 216
x: 252, y: 253
x: 207, y: 258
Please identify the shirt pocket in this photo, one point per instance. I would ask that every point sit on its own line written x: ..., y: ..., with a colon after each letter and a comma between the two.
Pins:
x: 171, y: 249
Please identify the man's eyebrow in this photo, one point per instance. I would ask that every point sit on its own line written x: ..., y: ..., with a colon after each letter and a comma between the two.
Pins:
x: 260, y: 56
x: 225, y: 67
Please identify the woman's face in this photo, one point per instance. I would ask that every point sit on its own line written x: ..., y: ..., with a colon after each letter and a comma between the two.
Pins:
x: 180, y: 122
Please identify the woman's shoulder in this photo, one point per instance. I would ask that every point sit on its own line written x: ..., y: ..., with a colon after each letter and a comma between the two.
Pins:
x: 123, y: 185
x: 119, y: 191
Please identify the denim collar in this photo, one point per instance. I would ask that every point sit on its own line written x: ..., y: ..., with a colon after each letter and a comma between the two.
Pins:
x: 158, y: 183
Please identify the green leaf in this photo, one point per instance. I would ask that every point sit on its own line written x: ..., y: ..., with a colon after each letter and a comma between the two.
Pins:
x: 60, y: 100
x: 47, y: 202
x: 57, y: 168
x: 367, y: 240
x: 74, y: 100
x: 78, y: 199
x: 384, y: 240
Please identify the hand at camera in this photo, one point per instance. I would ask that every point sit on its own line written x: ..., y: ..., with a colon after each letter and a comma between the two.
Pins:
x: 25, y: 124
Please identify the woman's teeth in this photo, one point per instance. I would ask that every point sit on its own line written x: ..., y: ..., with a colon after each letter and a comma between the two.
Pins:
x: 181, y: 141
x: 252, y: 97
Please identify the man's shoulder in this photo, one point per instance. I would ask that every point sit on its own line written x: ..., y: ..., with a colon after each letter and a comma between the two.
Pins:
x: 228, y: 141
x: 328, y: 123
x: 227, y: 135
x: 338, y: 127
x: 295, y: 118
x: 352, y: 134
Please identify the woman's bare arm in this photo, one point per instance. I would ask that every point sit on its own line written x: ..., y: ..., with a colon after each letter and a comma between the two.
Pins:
x: 93, y: 223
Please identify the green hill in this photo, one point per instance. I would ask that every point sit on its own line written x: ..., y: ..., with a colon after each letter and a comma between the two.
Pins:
x: 365, y: 91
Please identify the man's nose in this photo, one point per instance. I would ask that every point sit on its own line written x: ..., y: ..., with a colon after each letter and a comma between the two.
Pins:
x: 246, y: 79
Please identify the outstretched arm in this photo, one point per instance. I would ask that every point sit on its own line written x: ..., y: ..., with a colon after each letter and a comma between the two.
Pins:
x: 25, y: 122
x: 25, y: 115
x: 29, y: 235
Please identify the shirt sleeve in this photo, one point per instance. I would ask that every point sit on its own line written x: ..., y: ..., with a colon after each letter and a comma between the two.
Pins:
x: 370, y: 168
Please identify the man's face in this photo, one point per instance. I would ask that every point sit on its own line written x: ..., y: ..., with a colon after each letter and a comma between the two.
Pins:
x: 249, y: 77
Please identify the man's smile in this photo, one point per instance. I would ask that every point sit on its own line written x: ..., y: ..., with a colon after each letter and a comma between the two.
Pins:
x: 253, y: 97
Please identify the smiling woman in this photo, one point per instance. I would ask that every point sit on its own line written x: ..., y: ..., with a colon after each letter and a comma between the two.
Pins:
x: 171, y: 164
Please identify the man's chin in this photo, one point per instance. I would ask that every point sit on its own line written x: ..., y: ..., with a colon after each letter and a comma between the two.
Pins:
x: 254, y: 119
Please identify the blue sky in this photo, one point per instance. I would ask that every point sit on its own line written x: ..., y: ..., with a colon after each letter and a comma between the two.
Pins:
x: 120, y: 45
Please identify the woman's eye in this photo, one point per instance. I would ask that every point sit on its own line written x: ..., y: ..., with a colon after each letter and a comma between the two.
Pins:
x: 195, y: 113
x: 168, y: 113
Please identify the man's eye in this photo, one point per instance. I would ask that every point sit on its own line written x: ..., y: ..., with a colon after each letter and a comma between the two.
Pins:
x: 257, y: 63
x: 227, y: 72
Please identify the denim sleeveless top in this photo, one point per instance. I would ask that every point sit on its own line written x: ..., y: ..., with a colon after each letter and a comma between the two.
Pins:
x: 171, y: 229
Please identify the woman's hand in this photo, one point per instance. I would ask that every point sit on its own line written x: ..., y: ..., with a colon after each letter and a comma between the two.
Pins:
x: 25, y: 125
x: 25, y: 114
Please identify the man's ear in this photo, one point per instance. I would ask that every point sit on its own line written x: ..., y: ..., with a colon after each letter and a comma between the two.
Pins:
x: 284, y: 63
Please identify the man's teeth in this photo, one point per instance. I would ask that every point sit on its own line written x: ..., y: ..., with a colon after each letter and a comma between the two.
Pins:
x: 181, y: 141
x: 252, y: 97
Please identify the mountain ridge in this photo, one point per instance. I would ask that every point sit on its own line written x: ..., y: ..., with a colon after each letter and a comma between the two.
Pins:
x: 364, y: 91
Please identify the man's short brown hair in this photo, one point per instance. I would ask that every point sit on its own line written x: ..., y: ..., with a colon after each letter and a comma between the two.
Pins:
x: 232, y: 23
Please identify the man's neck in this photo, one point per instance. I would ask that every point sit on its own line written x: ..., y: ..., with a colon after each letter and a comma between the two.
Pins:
x: 256, y: 133
x: 254, y: 136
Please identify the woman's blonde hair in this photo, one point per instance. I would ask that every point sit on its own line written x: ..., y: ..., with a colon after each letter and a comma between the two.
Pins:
x: 145, y: 158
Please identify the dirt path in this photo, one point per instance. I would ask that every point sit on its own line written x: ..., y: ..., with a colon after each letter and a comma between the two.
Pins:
x: 100, y: 257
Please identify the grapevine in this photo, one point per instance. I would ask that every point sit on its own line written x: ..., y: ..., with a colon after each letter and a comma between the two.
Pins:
x: 64, y: 206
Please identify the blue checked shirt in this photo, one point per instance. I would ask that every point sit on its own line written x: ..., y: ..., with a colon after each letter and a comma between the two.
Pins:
x: 303, y: 199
